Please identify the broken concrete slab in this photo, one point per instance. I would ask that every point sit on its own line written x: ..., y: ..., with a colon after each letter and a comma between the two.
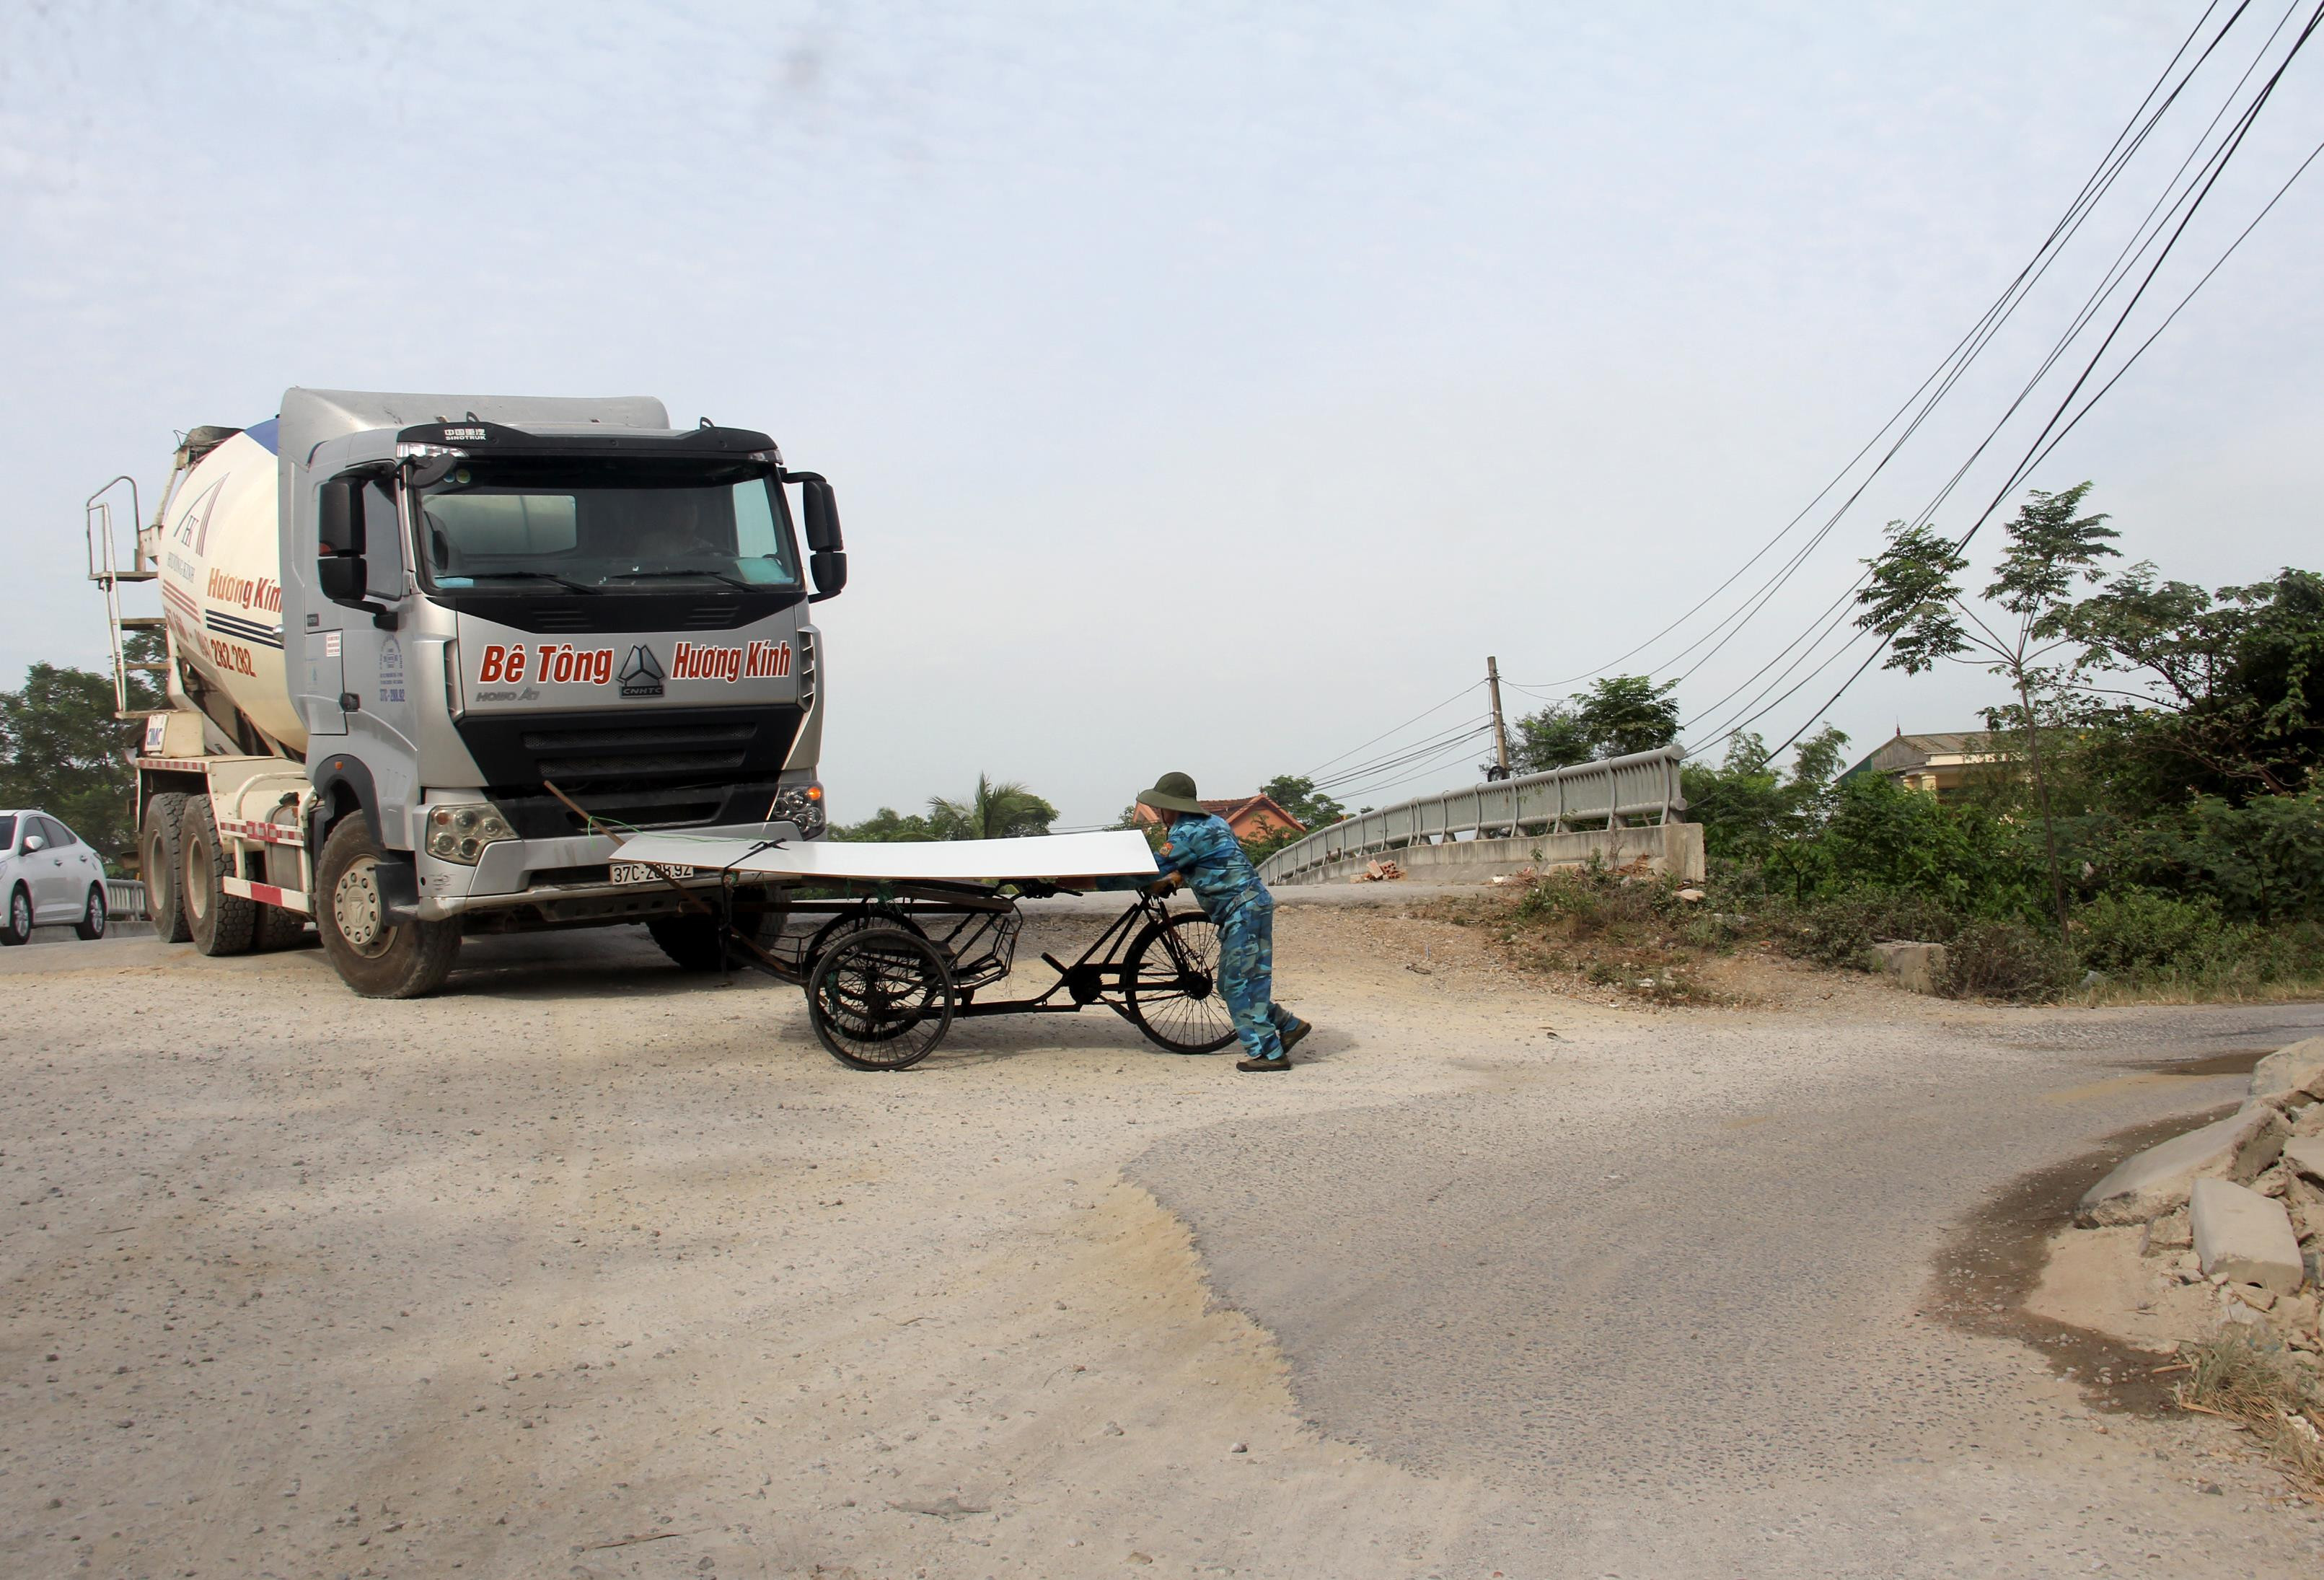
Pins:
x: 2305, y: 1155
x: 2146, y: 1185
x: 2295, y: 1072
x: 2243, y: 1237
x: 1917, y: 967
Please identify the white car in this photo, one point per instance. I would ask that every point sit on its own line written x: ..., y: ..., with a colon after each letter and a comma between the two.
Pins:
x: 48, y: 877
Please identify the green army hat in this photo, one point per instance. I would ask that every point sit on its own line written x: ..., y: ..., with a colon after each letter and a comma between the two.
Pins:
x: 1172, y: 792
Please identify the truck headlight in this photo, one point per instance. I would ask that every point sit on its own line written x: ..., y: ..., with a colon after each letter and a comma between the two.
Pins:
x: 460, y: 832
x: 802, y: 804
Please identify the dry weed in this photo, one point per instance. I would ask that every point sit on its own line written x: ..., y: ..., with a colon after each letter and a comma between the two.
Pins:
x: 2264, y: 1393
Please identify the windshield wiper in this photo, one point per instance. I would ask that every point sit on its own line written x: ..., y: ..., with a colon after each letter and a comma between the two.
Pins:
x: 564, y: 582
x: 719, y: 575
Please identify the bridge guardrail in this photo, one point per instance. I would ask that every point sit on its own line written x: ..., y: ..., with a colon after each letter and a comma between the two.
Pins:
x: 1643, y: 785
x: 125, y: 900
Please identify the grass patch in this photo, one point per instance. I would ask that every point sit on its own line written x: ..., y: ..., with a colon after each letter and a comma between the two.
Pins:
x: 2267, y: 1395
x: 1623, y: 932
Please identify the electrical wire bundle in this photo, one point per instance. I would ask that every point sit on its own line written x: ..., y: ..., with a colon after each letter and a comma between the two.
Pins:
x: 2121, y: 287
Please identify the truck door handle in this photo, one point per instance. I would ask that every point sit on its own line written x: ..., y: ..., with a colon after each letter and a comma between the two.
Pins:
x: 350, y: 703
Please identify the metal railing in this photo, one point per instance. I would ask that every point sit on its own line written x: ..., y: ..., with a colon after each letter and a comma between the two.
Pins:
x: 1643, y: 785
x: 125, y: 900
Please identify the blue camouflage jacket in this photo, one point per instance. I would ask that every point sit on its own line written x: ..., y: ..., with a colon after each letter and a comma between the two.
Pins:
x: 1205, y: 851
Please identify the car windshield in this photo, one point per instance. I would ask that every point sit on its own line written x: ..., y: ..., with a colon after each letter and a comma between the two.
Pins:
x: 7, y: 833
x: 561, y: 524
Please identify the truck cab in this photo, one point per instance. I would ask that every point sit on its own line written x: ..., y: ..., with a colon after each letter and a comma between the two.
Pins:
x: 511, y: 632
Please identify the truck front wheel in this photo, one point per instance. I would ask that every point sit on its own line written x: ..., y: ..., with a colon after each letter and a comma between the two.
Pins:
x: 377, y: 957
x: 160, y: 854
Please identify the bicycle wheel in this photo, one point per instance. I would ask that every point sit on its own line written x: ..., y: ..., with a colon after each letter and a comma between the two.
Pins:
x: 857, y: 921
x: 1178, y: 1007
x: 880, y: 999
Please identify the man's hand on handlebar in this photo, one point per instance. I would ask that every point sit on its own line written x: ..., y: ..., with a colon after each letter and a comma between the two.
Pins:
x: 1163, y: 887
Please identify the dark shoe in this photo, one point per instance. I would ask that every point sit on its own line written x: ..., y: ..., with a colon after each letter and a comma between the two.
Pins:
x: 1292, y: 1033
x: 1278, y: 1063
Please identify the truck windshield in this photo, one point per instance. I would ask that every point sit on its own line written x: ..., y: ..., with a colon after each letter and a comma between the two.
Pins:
x: 554, y: 525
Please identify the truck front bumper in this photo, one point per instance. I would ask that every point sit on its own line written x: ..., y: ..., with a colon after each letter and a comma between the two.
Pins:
x: 566, y: 880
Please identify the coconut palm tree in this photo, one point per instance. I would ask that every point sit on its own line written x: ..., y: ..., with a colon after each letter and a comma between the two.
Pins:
x: 996, y: 811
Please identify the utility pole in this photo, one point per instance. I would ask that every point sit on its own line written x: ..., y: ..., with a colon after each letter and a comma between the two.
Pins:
x: 1500, y: 730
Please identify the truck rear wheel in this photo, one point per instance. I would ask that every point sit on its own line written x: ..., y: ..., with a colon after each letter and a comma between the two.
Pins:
x: 221, y: 923
x: 164, y: 893
x: 377, y: 957
x: 277, y: 930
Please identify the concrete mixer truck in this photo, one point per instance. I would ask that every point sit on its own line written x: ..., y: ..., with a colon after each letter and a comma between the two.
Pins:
x: 429, y: 655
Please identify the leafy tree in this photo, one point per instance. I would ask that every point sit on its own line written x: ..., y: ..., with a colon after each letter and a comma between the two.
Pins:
x: 885, y: 827
x: 1881, y: 838
x: 1914, y: 598
x: 1296, y: 794
x: 1002, y: 810
x: 2220, y: 693
x: 62, y: 751
x: 1747, y: 810
x: 993, y: 811
x: 1617, y: 715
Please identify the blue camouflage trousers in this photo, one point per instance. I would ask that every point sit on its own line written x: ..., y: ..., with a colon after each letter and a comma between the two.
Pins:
x: 1247, y: 977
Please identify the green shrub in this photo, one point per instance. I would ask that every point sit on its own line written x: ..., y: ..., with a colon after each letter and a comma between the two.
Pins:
x: 1840, y: 930
x: 2139, y: 933
x: 1885, y: 838
x: 2008, y: 961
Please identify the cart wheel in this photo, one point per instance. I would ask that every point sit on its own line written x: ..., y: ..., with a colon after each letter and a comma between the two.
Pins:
x: 880, y: 999
x: 1178, y: 1006
x: 849, y: 923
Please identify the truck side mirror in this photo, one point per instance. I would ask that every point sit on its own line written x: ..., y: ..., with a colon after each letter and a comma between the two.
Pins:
x: 827, y: 550
x: 339, y: 569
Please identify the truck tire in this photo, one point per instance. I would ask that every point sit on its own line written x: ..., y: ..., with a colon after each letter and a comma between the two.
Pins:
x: 220, y: 923
x: 692, y: 941
x: 277, y: 930
x: 379, y: 959
x: 164, y: 896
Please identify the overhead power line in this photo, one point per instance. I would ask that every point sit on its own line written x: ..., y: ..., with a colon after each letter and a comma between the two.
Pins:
x: 1956, y: 361
x: 2053, y: 433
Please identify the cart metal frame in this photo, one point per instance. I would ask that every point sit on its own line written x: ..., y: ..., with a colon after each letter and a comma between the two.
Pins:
x: 895, y: 964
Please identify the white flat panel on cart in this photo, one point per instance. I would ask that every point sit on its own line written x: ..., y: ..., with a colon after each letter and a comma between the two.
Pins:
x: 1112, y: 853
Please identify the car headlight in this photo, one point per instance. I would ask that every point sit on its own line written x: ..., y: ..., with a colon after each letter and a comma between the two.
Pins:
x: 460, y: 832
x: 802, y: 804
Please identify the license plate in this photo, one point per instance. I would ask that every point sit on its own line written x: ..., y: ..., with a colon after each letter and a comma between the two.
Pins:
x: 639, y: 873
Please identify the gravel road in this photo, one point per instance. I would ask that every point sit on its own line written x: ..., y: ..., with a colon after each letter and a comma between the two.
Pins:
x: 586, y: 1268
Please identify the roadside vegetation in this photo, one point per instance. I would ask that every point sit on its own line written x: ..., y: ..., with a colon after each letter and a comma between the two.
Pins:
x: 2147, y: 822
x: 2255, y: 1388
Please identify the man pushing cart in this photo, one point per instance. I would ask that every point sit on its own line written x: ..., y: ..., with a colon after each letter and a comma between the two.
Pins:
x: 909, y: 934
x: 1201, y: 851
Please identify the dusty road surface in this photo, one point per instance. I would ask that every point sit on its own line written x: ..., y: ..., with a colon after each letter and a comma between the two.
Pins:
x: 586, y: 1268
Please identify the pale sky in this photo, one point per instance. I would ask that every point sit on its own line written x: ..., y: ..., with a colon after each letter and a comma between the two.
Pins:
x: 1206, y: 386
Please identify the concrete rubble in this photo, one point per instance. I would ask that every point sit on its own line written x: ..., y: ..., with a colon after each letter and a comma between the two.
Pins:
x: 2146, y: 1185
x: 2238, y: 1205
x: 1917, y: 967
x: 2243, y: 1237
x: 2293, y: 1074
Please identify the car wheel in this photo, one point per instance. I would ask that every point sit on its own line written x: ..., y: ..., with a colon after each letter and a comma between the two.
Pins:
x: 91, y: 926
x: 159, y: 855
x: 377, y: 957
x: 17, y: 925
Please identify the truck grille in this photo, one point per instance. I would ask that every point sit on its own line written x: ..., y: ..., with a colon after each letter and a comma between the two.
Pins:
x: 679, y: 767
x: 637, y: 754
